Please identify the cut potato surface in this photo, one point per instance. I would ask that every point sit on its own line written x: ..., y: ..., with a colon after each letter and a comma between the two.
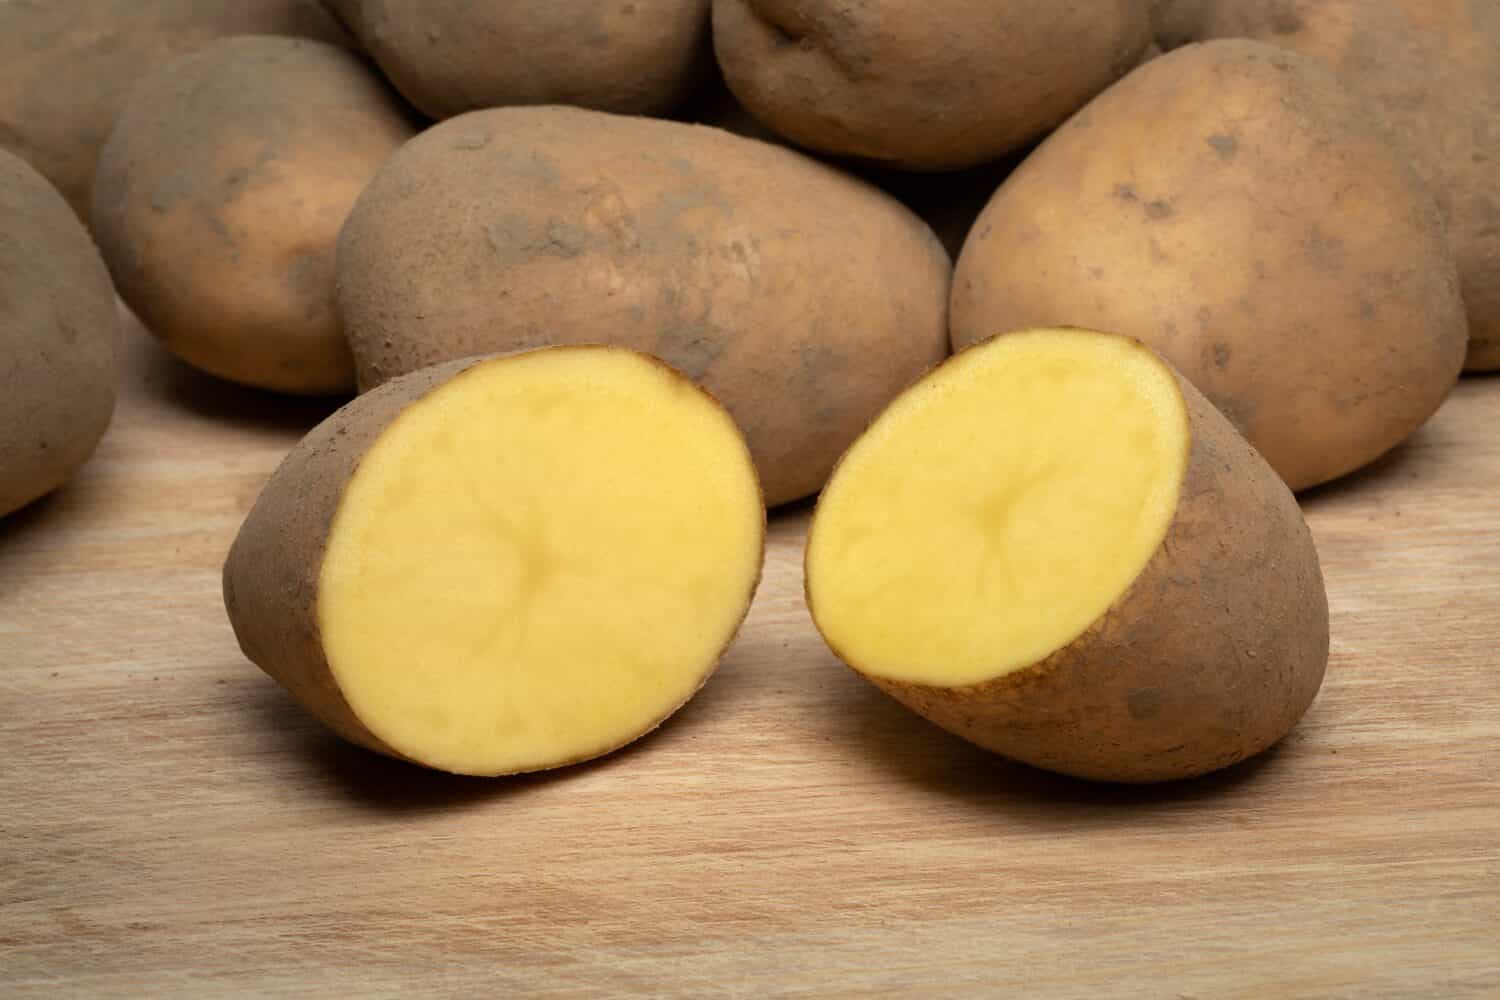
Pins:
x: 1056, y: 548
x: 531, y: 564
x: 993, y: 514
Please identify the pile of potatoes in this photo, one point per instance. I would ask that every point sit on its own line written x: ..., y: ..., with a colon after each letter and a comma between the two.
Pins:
x: 611, y: 277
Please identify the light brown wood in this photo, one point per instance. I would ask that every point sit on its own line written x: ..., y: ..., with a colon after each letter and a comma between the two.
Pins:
x: 174, y: 826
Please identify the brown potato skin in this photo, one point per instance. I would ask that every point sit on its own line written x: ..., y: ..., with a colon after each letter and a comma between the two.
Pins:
x: 1211, y: 656
x: 1232, y: 206
x: 220, y: 196
x: 271, y: 575
x: 928, y: 86
x: 452, y: 56
x: 67, y: 67
x: 1430, y: 70
x: 58, y: 339
x: 801, y: 298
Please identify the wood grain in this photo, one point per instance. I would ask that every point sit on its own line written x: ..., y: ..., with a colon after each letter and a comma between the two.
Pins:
x: 174, y: 826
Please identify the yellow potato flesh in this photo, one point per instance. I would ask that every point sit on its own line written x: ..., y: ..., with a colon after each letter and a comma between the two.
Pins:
x: 998, y: 508
x: 539, y: 561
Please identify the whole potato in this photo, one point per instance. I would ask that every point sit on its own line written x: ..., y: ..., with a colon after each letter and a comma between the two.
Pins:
x: 66, y: 67
x: 802, y: 298
x: 452, y: 56
x: 220, y: 196
x: 58, y: 333
x: 1234, y: 207
x: 933, y: 86
x: 1431, y: 70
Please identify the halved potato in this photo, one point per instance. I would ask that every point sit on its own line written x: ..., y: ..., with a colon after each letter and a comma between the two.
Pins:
x: 503, y: 565
x: 1055, y: 547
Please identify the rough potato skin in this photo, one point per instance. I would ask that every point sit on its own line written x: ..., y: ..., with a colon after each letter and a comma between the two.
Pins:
x: 1233, y: 207
x: 271, y: 575
x: 58, y: 339
x: 1430, y: 69
x: 219, y: 199
x: 67, y: 66
x: 1212, y: 655
x: 801, y: 298
x: 452, y: 56
x: 931, y: 86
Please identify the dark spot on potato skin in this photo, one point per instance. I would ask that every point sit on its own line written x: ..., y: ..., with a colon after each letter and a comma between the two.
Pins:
x: 1159, y: 210
x: 307, y: 276
x: 1144, y: 703
x: 1285, y: 21
x: 1125, y: 192
x: 1222, y: 354
x: 1324, y: 251
x: 1227, y: 146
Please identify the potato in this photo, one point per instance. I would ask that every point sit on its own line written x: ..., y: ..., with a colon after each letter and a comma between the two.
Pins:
x: 66, y: 67
x: 934, y: 86
x: 1431, y: 70
x: 800, y: 297
x: 452, y: 56
x: 57, y: 339
x: 1056, y: 548
x: 1232, y: 206
x: 503, y: 565
x: 220, y: 196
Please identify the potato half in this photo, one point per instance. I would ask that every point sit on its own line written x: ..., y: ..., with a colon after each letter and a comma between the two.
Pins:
x: 1056, y: 548
x: 1233, y: 206
x: 58, y: 339
x: 220, y: 196
x: 801, y: 297
x: 1430, y: 70
x: 935, y: 86
x: 452, y: 56
x: 503, y: 565
x: 67, y: 66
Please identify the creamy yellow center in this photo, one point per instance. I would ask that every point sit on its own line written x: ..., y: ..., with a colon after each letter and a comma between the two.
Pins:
x: 998, y: 508
x: 539, y: 561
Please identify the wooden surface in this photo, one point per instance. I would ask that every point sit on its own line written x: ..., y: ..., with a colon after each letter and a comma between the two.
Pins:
x: 173, y: 825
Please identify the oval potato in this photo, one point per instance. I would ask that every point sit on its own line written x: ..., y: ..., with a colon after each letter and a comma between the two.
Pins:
x: 58, y: 339
x: 802, y: 298
x: 220, y: 196
x: 1236, y: 209
x: 1430, y: 70
x: 67, y: 66
x: 931, y: 86
x: 452, y: 56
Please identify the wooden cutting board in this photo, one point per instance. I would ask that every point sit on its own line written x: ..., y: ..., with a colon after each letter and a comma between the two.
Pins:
x: 172, y: 825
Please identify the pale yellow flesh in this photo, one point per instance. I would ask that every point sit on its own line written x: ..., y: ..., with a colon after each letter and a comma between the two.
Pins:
x: 998, y: 508
x: 539, y: 561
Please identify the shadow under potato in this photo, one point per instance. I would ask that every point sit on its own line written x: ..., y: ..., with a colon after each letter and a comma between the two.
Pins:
x: 1401, y: 462
x: 176, y: 383
x: 378, y: 783
x: 879, y: 730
